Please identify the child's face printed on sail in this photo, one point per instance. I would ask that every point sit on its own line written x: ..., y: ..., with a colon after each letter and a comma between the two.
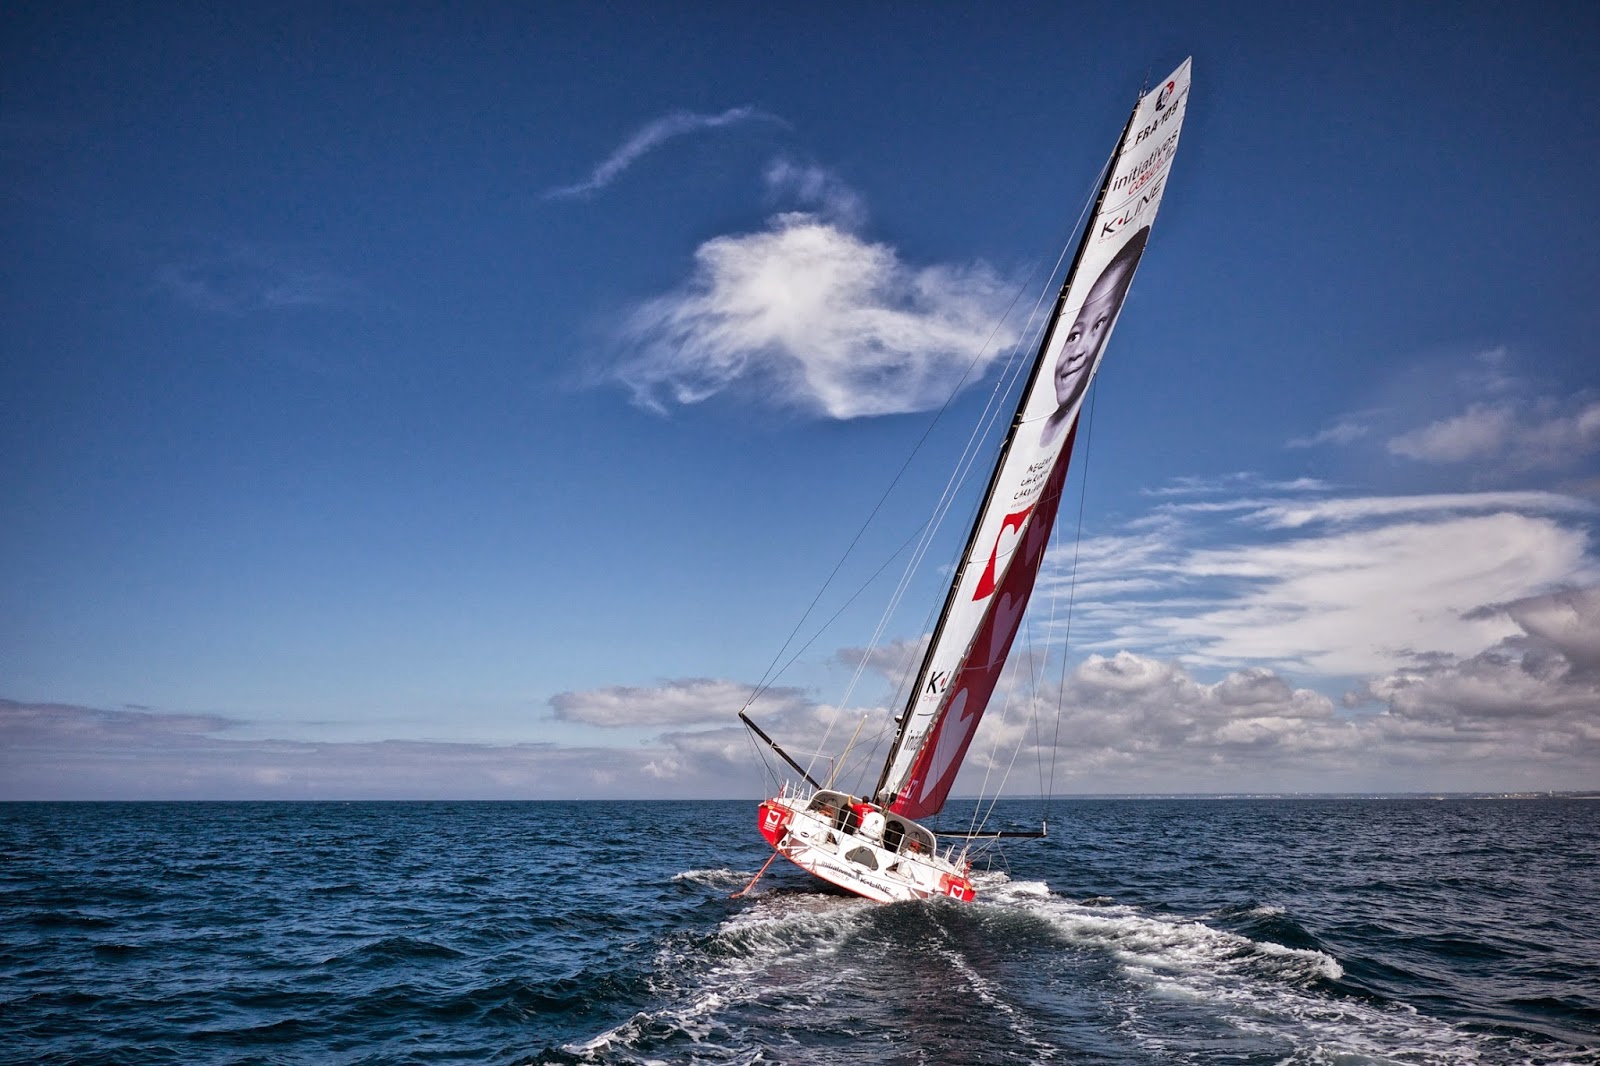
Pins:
x: 1088, y: 333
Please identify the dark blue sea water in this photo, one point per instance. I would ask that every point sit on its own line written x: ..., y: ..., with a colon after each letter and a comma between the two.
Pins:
x: 1184, y: 931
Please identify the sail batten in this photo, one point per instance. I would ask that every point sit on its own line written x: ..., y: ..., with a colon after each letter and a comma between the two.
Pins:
x: 997, y: 569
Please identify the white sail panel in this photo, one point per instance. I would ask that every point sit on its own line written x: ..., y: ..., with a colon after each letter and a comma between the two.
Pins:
x: 991, y: 589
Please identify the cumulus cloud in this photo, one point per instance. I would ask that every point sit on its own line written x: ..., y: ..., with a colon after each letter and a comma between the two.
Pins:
x: 814, y: 733
x: 1463, y: 630
x: 650, y: 137
x: 807, y: 315
x: 1517, y: 715
x: 1533, y: 696
x: 1567, y: 620
x: 684, y: 701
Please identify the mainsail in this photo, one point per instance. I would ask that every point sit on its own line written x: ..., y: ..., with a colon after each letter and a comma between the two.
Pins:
x: 990, y: 591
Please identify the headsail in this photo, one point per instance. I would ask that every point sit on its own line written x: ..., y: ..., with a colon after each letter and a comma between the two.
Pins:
x: 991, y: 588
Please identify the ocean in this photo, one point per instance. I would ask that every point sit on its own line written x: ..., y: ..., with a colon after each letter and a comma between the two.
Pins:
x: 1284, y: 931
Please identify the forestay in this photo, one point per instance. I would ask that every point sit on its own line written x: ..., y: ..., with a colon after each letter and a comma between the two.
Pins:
x: 991, y: 587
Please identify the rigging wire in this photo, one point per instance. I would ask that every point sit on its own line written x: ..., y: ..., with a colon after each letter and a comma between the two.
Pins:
x: 769, y: 676
x: 964, y: 468
x: 1030, y: 338
x: 994, y: 407
x: 1072, y: 589
x: 762, y: 755
x: 979, y: 817
x: 925, y: 534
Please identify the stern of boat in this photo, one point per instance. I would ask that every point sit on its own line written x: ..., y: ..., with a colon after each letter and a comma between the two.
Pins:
x: 831, y: 837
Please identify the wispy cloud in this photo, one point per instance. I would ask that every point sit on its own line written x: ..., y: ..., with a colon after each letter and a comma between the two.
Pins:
x: 806, y: 315
x: 1294, y: 513
x: 683, y: 701
x: 1240, y: 481
x: 1475, y: 411
x: 29, y: 723
x: 1345, y: 431
x: 816, y: 189
x: 64, y: 752
x: 1361, y: 586
x: 1515, y: 434
x: 241, y: 277
x: 890, y: 660
x: 1477, y: 433
x: 650, y: 137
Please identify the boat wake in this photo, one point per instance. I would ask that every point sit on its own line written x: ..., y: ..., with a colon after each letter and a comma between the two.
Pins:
x: 1025, y: 975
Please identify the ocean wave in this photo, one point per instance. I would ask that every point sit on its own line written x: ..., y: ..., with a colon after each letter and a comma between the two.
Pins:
x: 461, y: 934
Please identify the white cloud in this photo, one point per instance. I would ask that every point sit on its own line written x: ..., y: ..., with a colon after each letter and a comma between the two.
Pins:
x: 1236, y: 482
x: 1567, y: 620
x: 1475, y: 413
x: 242, y: 277
x: 811, y: 316
x: 1558, y: 440
x: 817, y: 189
x: 684, y: 701
x: 1534, y: 696
x: 1345, y: 431
x: 1292, y: 514
x: 890, y: 661
x: 1521, y: 712
x: 1479, y: 432
x: 649, y: 137
x: 1356, y: 602
x: 1514, y: 432
x: 64, y: 752
x: 27, y: 723
x: 1365, y: 585
x: 1517, y: 715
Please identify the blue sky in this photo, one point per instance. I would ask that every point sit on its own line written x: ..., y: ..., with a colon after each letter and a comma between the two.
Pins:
x: 403, y: 402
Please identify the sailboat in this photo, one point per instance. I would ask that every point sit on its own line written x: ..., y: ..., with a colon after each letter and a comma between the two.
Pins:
x: 875, y: 845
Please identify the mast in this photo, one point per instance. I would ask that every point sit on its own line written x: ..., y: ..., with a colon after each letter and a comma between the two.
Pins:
x: 1000, y: 460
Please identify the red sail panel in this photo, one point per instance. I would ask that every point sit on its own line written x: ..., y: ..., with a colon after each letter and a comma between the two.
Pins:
x: 937, y: 764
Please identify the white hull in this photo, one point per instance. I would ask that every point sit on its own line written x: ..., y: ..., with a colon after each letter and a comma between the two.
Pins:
x: 861, y: 848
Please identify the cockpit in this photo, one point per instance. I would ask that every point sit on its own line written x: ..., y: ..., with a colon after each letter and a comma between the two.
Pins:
x: 899, y: 836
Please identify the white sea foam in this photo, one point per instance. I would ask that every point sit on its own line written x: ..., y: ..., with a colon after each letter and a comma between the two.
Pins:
x: 778, y: 928
x: 718, y: 878
x: 792, y: 954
